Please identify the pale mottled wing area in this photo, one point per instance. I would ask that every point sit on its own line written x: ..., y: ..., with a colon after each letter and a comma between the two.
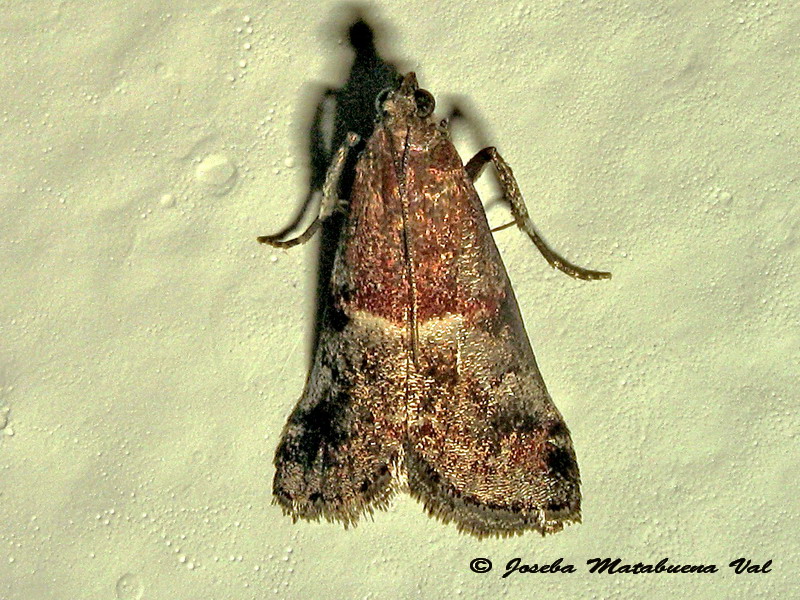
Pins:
x: 341, y: 444
x: 487, y: 447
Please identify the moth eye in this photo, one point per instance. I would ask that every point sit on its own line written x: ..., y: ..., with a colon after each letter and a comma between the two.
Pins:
x: 381, y: 99
x: 425, y: 103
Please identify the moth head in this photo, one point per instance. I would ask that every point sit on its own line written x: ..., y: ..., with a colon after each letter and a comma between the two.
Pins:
x: 405, y: 101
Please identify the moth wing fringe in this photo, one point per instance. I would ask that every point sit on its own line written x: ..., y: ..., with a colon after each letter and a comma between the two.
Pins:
x: 379, y: 497
x: 478, y: 519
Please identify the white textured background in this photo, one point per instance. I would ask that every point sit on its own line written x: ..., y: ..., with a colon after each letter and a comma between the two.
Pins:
x: 150, y: 350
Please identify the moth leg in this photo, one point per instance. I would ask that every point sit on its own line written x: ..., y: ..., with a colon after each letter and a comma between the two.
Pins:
x: 330, y: 198
x: 520, y: 212
x: 503, y: 226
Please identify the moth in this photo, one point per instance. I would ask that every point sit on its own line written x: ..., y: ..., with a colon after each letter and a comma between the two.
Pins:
x: 424, y: 378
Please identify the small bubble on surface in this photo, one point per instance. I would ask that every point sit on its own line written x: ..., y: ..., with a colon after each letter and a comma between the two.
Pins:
x: 129, y: 587
x: 217, y: 172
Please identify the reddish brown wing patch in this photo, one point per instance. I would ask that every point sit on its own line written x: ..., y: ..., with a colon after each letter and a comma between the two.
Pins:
x: 371, y: 271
